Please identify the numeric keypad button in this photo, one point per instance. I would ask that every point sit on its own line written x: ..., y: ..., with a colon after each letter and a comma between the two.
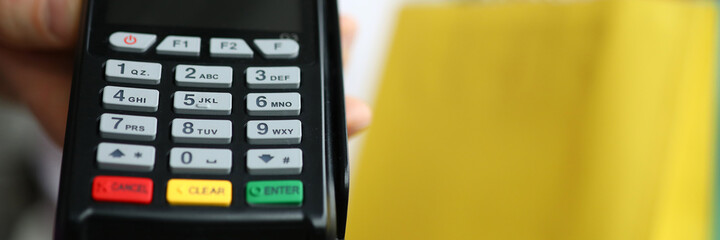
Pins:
x: 130, y: 99
x: 128, y: 127
x: 125, y: 157
x: 200, y: 160
x: 202, y: 103
x: 203, y: 76
x: 230, y: 48
x: 273, y: 104
x: 132, y: 72
x: 273, y: 77
x: 180, y: 46
x: 278, y: 48
x: 274, y: 161
x: 274, y: 132
x: 201, y: 131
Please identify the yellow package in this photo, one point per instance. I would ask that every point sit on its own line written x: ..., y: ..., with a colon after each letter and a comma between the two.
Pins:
x: 589, y: 120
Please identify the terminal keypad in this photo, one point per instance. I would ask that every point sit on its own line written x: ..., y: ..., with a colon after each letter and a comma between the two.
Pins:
x: 202, y: 129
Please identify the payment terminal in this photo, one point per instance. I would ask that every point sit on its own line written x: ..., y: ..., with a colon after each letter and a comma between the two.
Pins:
x: 206, y: 119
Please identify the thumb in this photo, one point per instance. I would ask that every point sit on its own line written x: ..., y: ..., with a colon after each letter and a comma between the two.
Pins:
x: 39, y: 24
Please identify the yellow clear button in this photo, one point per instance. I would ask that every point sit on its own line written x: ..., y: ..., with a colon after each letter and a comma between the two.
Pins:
x: 194, y: 192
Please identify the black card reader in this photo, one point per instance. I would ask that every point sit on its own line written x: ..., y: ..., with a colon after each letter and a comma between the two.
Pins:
x: 216, y: 119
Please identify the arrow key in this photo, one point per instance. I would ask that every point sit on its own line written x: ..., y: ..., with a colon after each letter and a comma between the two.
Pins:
x: 286, y: 161
x: 125, y: 157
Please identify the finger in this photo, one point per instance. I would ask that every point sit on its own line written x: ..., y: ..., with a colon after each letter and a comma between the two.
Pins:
x: 348, y: 28
x: 42, y: 82
x: 358, y: 115
x: 39, y: 24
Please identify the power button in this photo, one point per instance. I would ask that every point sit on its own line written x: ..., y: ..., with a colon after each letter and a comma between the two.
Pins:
x: 130, y: 39
x: 132, y: 42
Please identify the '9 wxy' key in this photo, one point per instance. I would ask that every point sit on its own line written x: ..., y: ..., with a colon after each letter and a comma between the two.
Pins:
x: 274, y: 132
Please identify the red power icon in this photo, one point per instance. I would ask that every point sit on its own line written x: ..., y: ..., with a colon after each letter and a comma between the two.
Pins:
x: 130, y: 40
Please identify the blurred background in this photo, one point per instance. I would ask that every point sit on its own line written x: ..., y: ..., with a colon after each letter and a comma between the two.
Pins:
x: 497, y: 120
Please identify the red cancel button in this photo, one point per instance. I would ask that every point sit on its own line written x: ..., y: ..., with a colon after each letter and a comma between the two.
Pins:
x: 122, y: 189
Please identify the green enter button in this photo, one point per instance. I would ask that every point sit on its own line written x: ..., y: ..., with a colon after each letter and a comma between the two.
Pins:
x: 281, y: 192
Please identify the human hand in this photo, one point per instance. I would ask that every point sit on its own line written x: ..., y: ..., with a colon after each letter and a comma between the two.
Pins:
x: 36, y: 60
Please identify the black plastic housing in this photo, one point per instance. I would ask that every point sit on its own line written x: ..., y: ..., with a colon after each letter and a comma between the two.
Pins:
x: 324, y: 144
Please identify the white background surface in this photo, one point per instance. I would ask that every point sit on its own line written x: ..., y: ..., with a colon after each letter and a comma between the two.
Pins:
x: 375, y: 23
x: 375, y: 20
